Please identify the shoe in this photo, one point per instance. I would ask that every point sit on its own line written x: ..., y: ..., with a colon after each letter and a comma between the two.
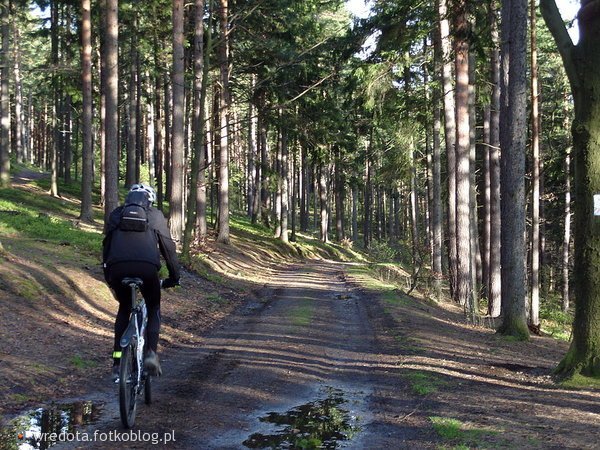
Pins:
x: 151, y: 364
x: 115, y: 374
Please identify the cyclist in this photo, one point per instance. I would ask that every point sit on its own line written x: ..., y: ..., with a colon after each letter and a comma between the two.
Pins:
x: 136, y: 254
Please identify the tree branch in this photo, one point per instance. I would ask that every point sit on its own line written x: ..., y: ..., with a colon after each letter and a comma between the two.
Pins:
x: 555, y: 24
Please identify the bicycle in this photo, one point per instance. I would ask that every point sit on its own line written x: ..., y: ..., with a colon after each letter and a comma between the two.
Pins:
x: 133, y: 379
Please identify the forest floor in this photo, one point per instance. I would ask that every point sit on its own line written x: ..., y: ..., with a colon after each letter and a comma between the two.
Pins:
x: 268, y: 351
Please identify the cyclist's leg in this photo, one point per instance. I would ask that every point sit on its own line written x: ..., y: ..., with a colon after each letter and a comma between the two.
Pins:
x: 123, y: 295
x: 151, y: 292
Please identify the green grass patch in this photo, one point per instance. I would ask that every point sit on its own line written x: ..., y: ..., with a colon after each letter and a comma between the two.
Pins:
x: 28, y: 289
x: 423, y: 383
x: 302, y: 314
x: 215, y: 298
x: 81, y: 363
x: 32, y: 216
x: 554, y: 321
x: 461, y: 436
x: 19, y: 398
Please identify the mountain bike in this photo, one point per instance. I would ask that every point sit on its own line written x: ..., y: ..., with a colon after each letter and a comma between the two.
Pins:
x: 133, y: 379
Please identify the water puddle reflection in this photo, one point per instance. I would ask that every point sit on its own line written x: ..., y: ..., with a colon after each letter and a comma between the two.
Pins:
x: 44, y: 427
x: 324, y: 423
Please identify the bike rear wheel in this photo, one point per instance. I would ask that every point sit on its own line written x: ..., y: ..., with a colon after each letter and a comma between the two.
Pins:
x: 128, y: 386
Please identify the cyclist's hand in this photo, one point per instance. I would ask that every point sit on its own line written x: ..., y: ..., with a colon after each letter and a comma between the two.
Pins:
x: 169, y: 283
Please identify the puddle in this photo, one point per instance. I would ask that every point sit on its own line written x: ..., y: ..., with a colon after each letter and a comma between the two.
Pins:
x: 44, y: 427
x: 325, y: 423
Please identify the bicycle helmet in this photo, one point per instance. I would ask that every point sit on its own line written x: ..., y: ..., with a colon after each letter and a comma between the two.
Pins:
x: 149, y: 190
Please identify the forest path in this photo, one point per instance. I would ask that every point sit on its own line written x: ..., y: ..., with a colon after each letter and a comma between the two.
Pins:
x: 311, y: 344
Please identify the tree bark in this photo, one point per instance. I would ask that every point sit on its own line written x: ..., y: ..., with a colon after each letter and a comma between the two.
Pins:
x: 223, y: 236
x: 284, y: 185
x: 463, y: 149
x: 534, y: 306
x: 513, y: 136
x: 111, y: 126
x: 177, y: 132
x: 196, y: 202
x: 5, y: 102
x: 494, y: 283
x: 130, y: 172
x: 87, y: 157
x: 443, y: 31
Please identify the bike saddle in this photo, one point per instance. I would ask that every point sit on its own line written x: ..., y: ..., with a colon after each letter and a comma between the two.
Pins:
x: 129, y: 281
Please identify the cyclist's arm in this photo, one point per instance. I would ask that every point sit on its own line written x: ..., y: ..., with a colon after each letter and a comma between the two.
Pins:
x: 165, y: 243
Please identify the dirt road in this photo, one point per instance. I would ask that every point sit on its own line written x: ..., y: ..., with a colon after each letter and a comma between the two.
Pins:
x: 308, y: 351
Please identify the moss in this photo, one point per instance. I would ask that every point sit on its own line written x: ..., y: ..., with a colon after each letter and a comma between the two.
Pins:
x: 578, y: 381
x: 515, y: 330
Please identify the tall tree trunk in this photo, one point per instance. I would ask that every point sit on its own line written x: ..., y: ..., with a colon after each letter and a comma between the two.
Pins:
x: 567, y: 233
x: 354, y: 213
x: 582, y: 65
x: 339, y: 196
x: 436, y: 205
x: 177, y: 132
x: 130, y: 172
x: 305, y: 190
x: 264, y: 166
x: 284, y: 185
x: 279, y: 178
x: 534, y: 306
x: 450, y: 137
x: 56, y: 100
x: 111, y: 126
x: 252, y: 157
x: 324, y: 229
x: 19, y: 116
x: 5, y: 101
x: 368, y: 197
x: 87, y: 157
x: 463, y: 148
x: 494, y: 283
x: 223, y: 235
x: 196, y: 202
x: 513, y: 142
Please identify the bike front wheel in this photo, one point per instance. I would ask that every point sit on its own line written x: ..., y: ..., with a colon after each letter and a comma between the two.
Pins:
x: 128, y: 386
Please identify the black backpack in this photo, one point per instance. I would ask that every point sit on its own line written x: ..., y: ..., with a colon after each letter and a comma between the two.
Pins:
x: 134, y: 215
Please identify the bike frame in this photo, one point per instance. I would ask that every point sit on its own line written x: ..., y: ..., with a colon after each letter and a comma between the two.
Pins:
x: 136, y: 330
x: 133, y: 378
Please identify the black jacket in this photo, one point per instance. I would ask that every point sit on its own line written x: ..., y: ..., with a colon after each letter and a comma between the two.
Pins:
x: 132, y: 246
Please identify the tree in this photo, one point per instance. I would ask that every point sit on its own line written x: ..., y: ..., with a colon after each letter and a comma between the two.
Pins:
x: 513, y: 133
x: 223, y: 220
x: 86, y: 83
x: 196, y: 206
x: 110, y: 69
x: 4, y: 99
x: 443, y: 41
x: 534, y: 309
x: 494, y: 281
x: 463, y: 147
x: 177, y: 136
x: 582, y: 65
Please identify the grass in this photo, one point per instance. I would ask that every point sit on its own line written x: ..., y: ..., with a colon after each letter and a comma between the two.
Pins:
x: 302, y: 314
x: 579, y: 381
x: 80, y: 363
x: 459, y: 434
x: 423, y: 383
x: 37, y: 217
